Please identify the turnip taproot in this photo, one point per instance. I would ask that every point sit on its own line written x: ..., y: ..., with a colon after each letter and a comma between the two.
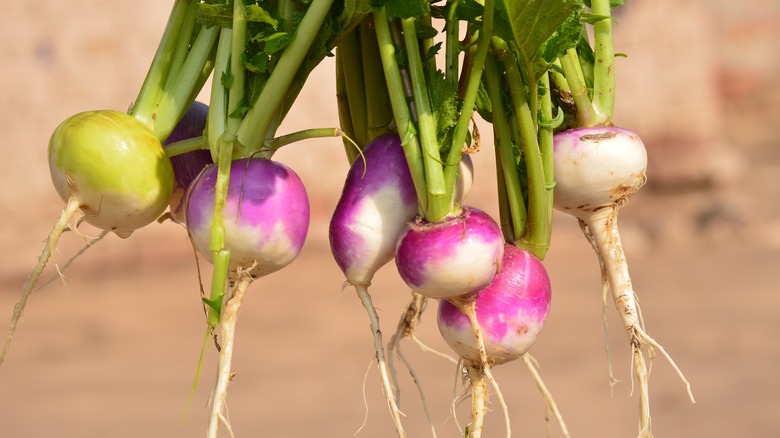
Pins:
x: 597, y: 170
x: 112, y: 173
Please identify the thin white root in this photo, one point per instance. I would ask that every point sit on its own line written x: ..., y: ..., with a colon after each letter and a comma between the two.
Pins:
x: 457, y: 399
x: 550, y: 404
x: 71, y: 211
x: 420, y: 390
x: 406, y: 326
x: 91, y: 241
x: 604, y: 303
x: 365, y: 399
x: 228, y: 321
x: 652, y: 342
x: 387, y: 388
x: 642, y: 377
x: 428, y: 349
x: 603, y: 230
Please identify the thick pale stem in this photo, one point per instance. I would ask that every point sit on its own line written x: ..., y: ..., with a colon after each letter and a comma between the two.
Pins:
x: 365, y: 299
x: 224, y: 374
x: 71, y: 209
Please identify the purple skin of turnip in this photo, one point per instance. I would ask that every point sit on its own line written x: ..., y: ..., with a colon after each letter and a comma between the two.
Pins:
x: 187, y: 166
x: 266, y: 214
x: 511, y: 311
x: 377, y: 201
x: 597, y: 170
x: 451, y: 258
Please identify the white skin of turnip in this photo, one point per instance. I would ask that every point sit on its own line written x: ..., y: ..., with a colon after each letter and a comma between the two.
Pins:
x: 597, y: 170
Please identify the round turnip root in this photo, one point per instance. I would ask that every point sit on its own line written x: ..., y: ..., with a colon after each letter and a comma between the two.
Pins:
x: 112, y: 172
x: 451, y: 258
x: 266, y: 214
x: 511, y: 311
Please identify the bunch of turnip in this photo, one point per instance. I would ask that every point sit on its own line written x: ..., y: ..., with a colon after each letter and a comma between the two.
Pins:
x: 406, y: 126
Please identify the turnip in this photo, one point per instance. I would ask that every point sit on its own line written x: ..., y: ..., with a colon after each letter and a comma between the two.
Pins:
x: 598, y: 167
x: 188, y: 165
x: 266, y: 218
x: 266, y: 214
x: 450, y: 258
x: 511, y: 311
x: 449, y: 250
x: 377, y: 201
x: 112, y: 173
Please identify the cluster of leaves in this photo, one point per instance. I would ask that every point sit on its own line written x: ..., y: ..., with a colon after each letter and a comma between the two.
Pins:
x: 268, y: 34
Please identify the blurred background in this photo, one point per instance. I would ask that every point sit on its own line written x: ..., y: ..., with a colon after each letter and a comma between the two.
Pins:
x: 112, y: 349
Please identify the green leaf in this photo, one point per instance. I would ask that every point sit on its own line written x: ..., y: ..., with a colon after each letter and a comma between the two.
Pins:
x: 445, y: 105
x: 565, y: 37
x: 274, y: 43
x: 256, y: 14
x: 532, y: 23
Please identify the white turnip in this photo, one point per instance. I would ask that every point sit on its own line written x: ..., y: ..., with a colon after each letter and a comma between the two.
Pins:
x: 597, y: 170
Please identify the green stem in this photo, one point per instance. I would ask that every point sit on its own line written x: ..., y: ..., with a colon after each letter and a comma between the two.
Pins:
x: 452, y: 46
x: 604, y: 67
x: 184, y: 146
x: 176, y: 100
x: 273, y: 145
x: 439, y: 204
x: 258, y: 119
x: 342, y: 102
x: 182, y: 47
x: 220, y: 255
x: 535, y: 238
x: 546, y: 149
x: 401, y: 112
x: 146, y: 102
x: 350, y: 52
x: 218, y: 102
x: 586, y: 113
x: 509, y: 177
x: 472, y: 89
x: 237, y: 69
x: 379, y: 113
